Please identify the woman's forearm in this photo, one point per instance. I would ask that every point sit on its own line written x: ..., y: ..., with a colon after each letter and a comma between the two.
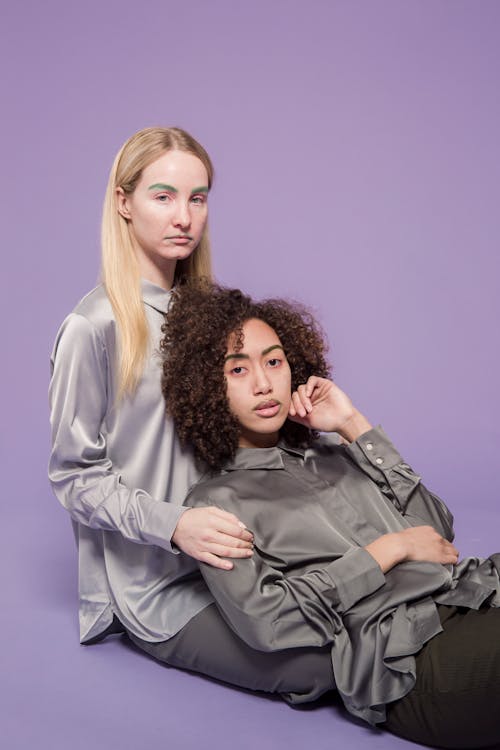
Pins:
x: 419, y: 543
x: 388, y: 550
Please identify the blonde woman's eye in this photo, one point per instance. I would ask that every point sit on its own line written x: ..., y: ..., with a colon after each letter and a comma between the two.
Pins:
x: 199, y: 200
x: 163, y: 198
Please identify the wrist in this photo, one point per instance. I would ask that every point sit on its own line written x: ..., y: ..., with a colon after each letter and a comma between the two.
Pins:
x: 400, y: 549
x: 179, y: 524
x: 388, y: 550
x: 354, y: 427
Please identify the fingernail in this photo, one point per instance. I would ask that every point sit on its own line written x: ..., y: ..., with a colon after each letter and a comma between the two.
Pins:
x: 241, y: 525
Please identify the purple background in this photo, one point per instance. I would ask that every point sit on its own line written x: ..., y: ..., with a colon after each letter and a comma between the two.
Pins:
x: 357, y: 154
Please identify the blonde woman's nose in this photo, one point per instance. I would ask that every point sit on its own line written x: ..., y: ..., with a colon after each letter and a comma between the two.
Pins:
x: 182, y: 216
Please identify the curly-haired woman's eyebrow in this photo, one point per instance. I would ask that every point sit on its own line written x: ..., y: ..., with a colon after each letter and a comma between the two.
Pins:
x: 270, y: 348
x: 242, y: 355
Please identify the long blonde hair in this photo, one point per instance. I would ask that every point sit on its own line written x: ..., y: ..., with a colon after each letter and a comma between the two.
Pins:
x: 120, y: 267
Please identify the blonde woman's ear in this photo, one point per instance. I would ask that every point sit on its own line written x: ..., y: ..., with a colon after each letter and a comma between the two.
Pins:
x: 122, y: 203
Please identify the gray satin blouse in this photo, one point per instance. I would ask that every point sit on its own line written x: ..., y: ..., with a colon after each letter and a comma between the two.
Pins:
x: 311, y: 583
x: 121, y: 473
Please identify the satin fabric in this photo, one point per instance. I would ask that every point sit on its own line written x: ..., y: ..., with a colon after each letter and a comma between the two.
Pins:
x: 118, y: 468
x: 311, y: 582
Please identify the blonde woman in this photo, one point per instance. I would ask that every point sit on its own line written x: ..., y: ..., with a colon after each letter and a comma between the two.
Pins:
x: 116, y: 464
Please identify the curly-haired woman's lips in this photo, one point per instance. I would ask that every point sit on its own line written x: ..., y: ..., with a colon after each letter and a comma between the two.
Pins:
x: 267, y: 409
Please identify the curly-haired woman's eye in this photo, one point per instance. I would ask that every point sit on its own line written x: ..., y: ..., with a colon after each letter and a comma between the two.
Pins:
x: 274, y: 362
x: 238, y: 370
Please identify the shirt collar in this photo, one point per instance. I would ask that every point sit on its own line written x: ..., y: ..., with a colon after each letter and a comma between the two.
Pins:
x: 262, y: 458
x: 155, y: 296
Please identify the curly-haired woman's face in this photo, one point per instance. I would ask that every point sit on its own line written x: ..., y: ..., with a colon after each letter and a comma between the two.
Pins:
x: 258, y: 385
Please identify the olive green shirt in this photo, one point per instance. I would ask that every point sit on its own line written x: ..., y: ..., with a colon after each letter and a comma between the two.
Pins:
x: 310, y: 581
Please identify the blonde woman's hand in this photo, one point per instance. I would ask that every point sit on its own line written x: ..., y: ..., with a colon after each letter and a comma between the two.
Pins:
x: 211, y: 534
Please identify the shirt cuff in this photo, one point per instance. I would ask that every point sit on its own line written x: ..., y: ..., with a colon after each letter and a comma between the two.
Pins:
x: 355, y: 575
x: 162, y: 522
x: 375, y: 447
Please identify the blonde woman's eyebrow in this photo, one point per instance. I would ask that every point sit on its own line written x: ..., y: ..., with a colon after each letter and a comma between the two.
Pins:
x: 163, y: 186
x: 172, y: 189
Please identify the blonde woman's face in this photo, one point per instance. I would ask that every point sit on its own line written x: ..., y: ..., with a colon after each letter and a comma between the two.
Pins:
x: 167, y: 211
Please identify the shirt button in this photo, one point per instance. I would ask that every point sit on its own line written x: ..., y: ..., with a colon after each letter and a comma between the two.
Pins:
x: 369, y: 446
x: 379, y: 461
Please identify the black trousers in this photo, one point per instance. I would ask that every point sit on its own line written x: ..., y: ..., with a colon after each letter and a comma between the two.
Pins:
x: 455, y: 702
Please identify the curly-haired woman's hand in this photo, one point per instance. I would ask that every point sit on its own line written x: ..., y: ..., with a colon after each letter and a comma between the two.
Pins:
x: 321, y: 405
x: 420, y: 543
x: 211, y: 534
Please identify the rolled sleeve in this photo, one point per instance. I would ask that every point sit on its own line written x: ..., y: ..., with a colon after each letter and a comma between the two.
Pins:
x: 354, y: 576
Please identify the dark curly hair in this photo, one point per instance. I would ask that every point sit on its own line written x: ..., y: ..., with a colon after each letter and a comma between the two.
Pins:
x: 200, y: 320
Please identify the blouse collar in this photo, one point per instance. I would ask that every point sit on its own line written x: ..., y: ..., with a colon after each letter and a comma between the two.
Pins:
x: 262, y: 458
x: 155, y: 296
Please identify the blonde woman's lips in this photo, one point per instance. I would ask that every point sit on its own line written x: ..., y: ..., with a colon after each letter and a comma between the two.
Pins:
x: 267, y: 409
x: 180, y: 239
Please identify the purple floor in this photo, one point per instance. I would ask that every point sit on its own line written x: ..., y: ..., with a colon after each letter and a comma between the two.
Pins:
x: 60, y: 696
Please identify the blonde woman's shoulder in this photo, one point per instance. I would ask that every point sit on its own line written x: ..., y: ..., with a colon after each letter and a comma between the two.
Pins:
x: 92, y: 318
x: 95, y: 306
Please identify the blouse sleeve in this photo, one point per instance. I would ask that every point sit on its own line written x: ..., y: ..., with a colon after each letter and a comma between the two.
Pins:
x: 80, y: 471
x: 377, y: 457
x: 273, y: 611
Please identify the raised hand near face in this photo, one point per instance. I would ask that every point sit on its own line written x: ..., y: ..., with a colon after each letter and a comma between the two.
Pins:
x: 321, y: 405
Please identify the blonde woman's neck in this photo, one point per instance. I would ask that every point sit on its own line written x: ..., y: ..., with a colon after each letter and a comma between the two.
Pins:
x: 160, y: 274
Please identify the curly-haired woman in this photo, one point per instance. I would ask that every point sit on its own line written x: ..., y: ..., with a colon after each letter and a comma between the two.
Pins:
x: 352, y: 552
